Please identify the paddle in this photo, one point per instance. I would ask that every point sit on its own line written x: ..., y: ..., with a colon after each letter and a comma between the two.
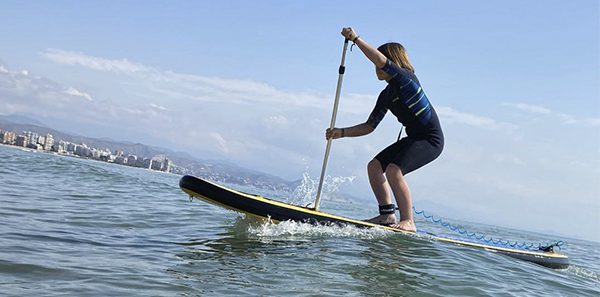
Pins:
x: 335, y: 108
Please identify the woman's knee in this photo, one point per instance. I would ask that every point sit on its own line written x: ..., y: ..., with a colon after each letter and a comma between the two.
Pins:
x: 374, y: 167
x: 393, y: 170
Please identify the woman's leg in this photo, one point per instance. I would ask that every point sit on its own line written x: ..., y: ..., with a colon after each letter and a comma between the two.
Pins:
x: 381, y: 190
x: 402, y: 194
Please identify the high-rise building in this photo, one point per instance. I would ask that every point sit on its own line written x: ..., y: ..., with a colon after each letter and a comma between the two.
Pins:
x: 155, y: 165
x: 71, y: 147
x: 139, y: 162
x: 59, y: 147
x: 121, y: 160
x: 32, y: 138
x: 131, y: 160
x: 11, y: 137
x: 95, y: 153
x: 166, y: 165
x: 49, y: 142
x: 147, y: 163
x: 21, y: 141
x: 7, y: 137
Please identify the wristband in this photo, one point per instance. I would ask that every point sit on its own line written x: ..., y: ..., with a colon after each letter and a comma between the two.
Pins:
x: 342, y: 132
x: 354, y: 42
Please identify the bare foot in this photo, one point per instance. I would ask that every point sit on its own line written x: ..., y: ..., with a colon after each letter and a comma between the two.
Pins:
x: 407, y: 225
x: 385, y: 219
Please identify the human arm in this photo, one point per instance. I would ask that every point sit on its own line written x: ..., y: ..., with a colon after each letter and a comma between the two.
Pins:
x: 354, y: 131
x: 370, y: 52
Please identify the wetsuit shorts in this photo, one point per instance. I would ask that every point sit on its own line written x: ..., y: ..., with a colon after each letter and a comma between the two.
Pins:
x: 411, y: 154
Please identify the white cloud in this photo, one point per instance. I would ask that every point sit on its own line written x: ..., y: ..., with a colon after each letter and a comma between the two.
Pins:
x: 74, y: 92
x: 450, y: 115
x: 565, y: 118
x: 593, y: 122
x: 220, y: 140
x: 3, y: 70
x: 74, y: 58
x: 153, y: 105
x: 529, y: 107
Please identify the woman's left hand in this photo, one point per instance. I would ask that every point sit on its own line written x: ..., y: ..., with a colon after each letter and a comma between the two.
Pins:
x: 349, y: 33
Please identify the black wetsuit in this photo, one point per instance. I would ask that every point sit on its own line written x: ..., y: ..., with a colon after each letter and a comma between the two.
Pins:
x: 405, y: 98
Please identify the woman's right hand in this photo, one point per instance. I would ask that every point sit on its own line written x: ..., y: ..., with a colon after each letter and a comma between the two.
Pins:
x: 333, y: 133
x: 349, y: 33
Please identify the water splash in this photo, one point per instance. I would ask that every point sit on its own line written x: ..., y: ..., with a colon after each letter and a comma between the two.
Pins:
x: 306, y: 192
x: 268, y: 230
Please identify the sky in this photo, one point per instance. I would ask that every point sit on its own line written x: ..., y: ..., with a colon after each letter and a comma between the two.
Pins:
x: 516, y: 85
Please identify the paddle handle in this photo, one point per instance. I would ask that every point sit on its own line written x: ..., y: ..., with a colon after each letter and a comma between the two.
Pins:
x: 341, y: 71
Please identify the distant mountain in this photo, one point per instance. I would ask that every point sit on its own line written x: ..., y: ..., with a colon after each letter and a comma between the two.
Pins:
x: 184, y: 163
x: 19, y: 119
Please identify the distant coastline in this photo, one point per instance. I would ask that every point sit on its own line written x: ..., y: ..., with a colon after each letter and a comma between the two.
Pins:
x: 30, y: 150
x: 180, y: 163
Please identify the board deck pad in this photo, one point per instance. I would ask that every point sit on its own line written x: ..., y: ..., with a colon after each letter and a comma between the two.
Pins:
x: 276, y: 211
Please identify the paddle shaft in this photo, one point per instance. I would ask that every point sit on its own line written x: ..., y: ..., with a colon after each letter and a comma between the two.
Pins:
x: 333, y: 116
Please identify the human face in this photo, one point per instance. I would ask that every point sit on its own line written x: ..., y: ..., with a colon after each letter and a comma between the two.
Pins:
x: 382, y: 75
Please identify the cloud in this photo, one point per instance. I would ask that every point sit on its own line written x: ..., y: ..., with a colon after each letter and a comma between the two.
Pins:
x: 220, y: 141
x: 153, y: 105
x: 593, y: 122
x: 529, y: 107
x: 74, y: 58
x: 565, y: 118
x: 208, y: 89
x: 453, y: 116
x: 74, y: 92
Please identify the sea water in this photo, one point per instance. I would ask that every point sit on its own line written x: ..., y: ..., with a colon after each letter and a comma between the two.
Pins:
x: 72, y: 227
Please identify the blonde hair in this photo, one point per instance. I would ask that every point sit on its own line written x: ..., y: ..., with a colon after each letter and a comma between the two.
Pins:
x: 397, y: 54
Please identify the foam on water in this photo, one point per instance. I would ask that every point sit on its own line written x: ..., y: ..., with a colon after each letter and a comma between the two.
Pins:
x: 268, y: 230
x: 583, y: 272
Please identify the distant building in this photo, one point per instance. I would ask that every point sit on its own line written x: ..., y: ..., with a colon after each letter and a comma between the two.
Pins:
x: 49, y: 142
x: 147, y: 163
x: 139, y: 162
x: 95, y: 153
x: 83, y: 151
x: 59, y: 147
x: 32, y: 138
x: 131, y: 160
x: 8, y: 137
x: 155, y: 165
x: 121, y: 160
x: 21, y: 141
x: 71, y: 147
x: 118, y: 153
x: 166, y: 165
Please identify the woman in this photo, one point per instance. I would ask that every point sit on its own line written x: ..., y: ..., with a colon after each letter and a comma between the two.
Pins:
x: 405, y: 98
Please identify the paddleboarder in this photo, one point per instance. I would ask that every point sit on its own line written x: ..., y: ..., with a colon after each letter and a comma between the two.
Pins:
x: 405, y: 98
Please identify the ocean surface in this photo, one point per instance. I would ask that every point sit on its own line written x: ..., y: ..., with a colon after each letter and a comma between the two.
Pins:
x: 72, y: 227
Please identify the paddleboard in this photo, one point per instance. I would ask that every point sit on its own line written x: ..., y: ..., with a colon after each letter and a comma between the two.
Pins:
x: 276, y: 211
